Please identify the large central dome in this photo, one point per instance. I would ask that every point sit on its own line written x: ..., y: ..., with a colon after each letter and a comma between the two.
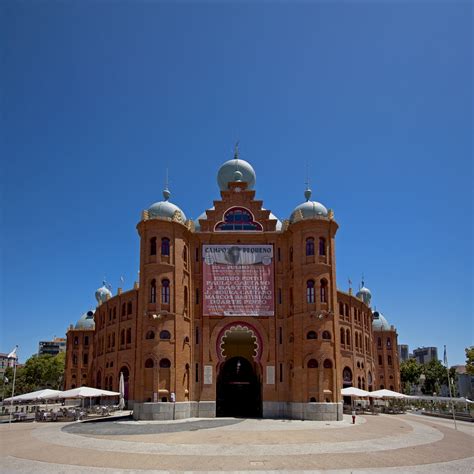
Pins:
x: 235, y: 170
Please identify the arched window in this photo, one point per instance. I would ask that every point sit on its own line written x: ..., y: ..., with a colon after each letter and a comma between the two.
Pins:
x: 165, y: 334
x: 149, y: 364
x: 150, y: 335
x: 341, y: 309
x: 312, y: 364
x: 165, y: 247
x: 165, y: 291
x: 185, y: 298
x: 310, y: 291
x: 322, y: 246
x: 363, y: 383
x: 123, y: 309
x: 309, y: 246
x: 343, y: 339
x: 326, y: 335
x: 389, y: 360
x: 324, y: 291
x: 328, y: 364
x: 389, y: 343
x: 165, y: 364
x: 99, y: 379
x: 379, y: 342
x: 122, y: 337
x: 311, y: 335
x: 153, y: 246
x: 348, y: 337
x: 129, y: 307
x: 185, y: 255
x: 153, y: 291
x: 129, y: 335
x: 359, y: 384
x: 347, y: 375
x: 380, y: 360
x: 238, y: 218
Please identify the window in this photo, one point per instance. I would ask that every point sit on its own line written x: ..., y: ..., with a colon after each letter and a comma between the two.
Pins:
x: 281, y: 373
x: 347, y: 374
x: 129, y: 307
x: 309, y: 246
x: 123, y: 309
x: 165, y: 247
x: 197, y: 295
x: 85, y: 359
x: 76, y: 340
x: 165, y: 291
x: 324, y: 291
x: 122, y: 337
x: 380, y: 360
x: 153, y: 246
x: 279, y: 254
x: 238, y: 218
x: 322, y: 246
x: 114, y: 313
x: 341, y: 309
x: 185, y: 299
x: 389, y: 343
x: 312, y: 364
x: 326, y: 335
x: 185, y: 256
x: 98, y: 379
x: 343, y: 339
x: 389, y: 360
x: 165, y: 334
x: 113, y: 340
x: 153, y: 291
x: 348, y: 337
x: 197, y: 335
x: 149, y: 364
x: 291, y: 254
x: 129, y: 335
x: 165, y: 363
x: 279, y: 296
x: 150, y: 335
x: 74, y: 359
x: 310, y: 291
x: 280, y: 335
x: 328, y: 364
x: 196, y: 254
x: 197, y: 373
x: 86, y: 340
x: 311, y: 335
x: 379, y: 342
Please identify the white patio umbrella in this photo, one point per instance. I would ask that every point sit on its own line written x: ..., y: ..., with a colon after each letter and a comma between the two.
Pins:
x: 384, y: 393
x: 45, y: 394
x: 354, y: 392
x: 86, y: 392
x: 122, y: 392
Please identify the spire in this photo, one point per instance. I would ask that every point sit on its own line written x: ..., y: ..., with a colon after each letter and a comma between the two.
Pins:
x: 236, y: 150
x: 307, y: 193
x: 166, y: 191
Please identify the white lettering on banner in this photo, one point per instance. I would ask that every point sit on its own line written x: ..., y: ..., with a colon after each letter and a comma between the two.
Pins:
x: 270, y: 375
x: 208, y: 375
x: 238, y: 280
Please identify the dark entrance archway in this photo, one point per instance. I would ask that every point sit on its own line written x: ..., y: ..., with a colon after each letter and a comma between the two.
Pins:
x: 238, y: 389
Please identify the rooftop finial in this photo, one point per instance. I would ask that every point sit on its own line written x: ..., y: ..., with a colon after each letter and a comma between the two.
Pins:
x: 236, y: 150
x: 363, y: 279
x: 307, y: 193
x: 166, y: 191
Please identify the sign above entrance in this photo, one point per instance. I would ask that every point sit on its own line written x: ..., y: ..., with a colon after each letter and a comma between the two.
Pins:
x: 238, y: 280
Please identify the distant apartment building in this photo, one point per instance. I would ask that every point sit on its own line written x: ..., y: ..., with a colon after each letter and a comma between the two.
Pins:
x: 54, y: 347
x: 423, y: 355
x: 403, y: 352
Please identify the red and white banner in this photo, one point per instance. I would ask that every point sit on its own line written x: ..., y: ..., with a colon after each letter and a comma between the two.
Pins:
x: 238, y: 280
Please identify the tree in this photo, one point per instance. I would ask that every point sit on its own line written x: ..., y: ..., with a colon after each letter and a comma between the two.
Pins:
x: 410, y: 371
x: 470, y: 360
x: 44, y: 371
x: 436, y: 375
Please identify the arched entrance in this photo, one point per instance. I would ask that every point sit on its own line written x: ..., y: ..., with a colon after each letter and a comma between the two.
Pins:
x: 238, y: 389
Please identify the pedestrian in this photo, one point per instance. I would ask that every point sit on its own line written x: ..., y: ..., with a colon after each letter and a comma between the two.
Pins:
x: 353, y: 416
x: 173, y: 397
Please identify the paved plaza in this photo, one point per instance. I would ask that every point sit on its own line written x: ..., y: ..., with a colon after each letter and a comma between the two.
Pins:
x: 375, y: 444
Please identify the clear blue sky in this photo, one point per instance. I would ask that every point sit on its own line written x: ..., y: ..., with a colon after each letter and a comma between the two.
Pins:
x: 98, y: 98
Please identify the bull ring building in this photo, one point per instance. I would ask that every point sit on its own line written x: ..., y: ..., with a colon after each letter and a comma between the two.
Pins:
x: 235, y: 314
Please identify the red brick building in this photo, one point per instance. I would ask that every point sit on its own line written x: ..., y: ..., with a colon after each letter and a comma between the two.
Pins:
x: 236, y: 313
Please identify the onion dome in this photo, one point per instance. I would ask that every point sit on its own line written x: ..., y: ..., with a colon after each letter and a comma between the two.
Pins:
x: 379, y: 322
x: 86, y: 321
x: 364, y: 294
x: 164, y: 208
x: 103, y: 293
x: 236, y: 170
x: 309, y: 209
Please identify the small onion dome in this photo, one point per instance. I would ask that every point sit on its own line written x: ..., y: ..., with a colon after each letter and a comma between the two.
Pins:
x: 364, y: 294
x: 102, y: 294
x: 86, y: 321
x: 236, y: 170
x: 164, y: 208
x: 309, y: 209
x: 379, y: 322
